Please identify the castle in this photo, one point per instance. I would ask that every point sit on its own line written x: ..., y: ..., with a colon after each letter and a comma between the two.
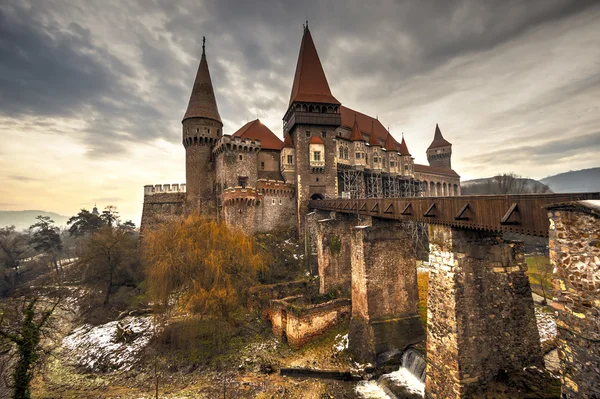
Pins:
x: 253, y: 180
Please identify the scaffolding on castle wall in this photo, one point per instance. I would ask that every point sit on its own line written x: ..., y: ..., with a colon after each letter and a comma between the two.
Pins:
x: 374, y: 185
x: 391, y: 187
x: 353, y: 183
x: 411, y: 188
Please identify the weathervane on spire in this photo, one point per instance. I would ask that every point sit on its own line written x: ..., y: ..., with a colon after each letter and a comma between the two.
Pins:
x: 203, y: 43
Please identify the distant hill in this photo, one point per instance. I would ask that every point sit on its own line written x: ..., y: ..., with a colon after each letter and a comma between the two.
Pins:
x: 504, y: 184
x: 24, y: 219
x: 585, y: 180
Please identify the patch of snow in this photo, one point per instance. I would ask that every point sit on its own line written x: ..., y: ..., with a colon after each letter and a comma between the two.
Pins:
x: 98, y: 349
x: 341, y: 343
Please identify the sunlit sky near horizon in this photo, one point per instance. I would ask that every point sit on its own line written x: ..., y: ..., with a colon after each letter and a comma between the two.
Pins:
x: 92, y: 93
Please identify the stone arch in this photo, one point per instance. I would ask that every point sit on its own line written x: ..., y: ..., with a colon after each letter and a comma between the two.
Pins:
x: 317, y: 196
x: 431, y: 190
x: 456, y: 189
x: 438, y: 189
x: 444, y: 189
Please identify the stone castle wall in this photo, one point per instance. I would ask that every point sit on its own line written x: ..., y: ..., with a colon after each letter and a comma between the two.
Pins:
x: 162, y: 203
x: 481, y: 319
x: 575, y: 255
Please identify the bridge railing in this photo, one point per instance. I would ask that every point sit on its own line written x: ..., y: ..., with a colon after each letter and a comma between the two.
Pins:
x: 523, y: 214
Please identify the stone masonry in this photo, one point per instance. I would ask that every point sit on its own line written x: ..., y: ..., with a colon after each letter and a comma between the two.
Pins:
x: 481, y: 318
x: 334, y: 237
x: 385, y: 301
x: 575, y: 255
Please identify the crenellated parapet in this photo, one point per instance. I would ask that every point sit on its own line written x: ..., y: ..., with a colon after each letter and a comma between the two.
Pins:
x: 164, y: 188
x: 276, y: 188
x: 236, y: 195
x: 236, y: 144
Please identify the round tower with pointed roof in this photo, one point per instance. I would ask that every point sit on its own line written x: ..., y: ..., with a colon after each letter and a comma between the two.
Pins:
x: 439, y: 153
x: 202, y: 127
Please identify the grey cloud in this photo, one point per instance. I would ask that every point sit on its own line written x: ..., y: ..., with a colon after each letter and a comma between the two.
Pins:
x: 23, y: 178
x: 550, y: 151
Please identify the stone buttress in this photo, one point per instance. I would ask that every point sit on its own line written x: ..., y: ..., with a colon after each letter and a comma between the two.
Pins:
x: 481, y: 319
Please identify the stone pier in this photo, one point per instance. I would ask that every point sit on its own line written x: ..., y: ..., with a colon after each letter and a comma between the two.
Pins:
x: 385, y: 301
x: 575, y: 255
x: 481, y: 319
x: 334, y: 237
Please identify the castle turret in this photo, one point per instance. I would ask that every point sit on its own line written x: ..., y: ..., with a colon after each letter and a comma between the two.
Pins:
x: 407, y: 162
x: 313, y: 113
x: 375, y: 153
x: 439, y: 153
x: 358, y: 146
x: 288, y: 160
x: 391, y: 153
x: 202, y: 127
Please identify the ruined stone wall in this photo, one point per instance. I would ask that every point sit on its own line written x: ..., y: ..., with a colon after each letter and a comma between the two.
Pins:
x: 334, y: 237
x: 385, y: 297
x: 301, y: 323
x: 575, y: 255
x: 480, y: 311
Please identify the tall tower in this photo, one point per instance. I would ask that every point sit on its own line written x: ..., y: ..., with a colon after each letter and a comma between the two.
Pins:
x: 439, y: 153
x: 202, y: 127
x: 311, y: 120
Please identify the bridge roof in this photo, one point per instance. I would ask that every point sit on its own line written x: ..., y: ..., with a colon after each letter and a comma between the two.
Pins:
x: 522, y: 214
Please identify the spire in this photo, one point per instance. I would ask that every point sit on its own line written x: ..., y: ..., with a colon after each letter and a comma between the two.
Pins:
x: 287, y: 142
x: 403, y: 147
x: 310, y: 83
x: 372, y: 137
x: 356, y: 134
x: 202, y: 100
x: 390, y: 143
x: 438, y: 139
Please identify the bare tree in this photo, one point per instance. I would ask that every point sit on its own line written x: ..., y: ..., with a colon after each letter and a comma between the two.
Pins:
x: 13, y: 247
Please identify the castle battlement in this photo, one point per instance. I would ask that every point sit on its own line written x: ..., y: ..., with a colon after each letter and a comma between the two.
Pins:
x: 238, y: 194
x: 237, y: 144
x: 275, y: 188
x: 164, y: 189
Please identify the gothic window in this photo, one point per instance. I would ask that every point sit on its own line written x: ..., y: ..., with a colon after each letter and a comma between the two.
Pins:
x: 346, y: 156
x: 317, y: 155
x: 241, y: 157
x: 323, y: 133
x: 341, y: 152
x: 308, y: 133
x: 262, y: 165
x: 290, y: 159
x: 242, y: 181
x: 358, y: 155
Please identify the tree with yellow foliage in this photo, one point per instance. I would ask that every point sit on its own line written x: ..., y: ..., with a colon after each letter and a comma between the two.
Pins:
x: 201, y: 264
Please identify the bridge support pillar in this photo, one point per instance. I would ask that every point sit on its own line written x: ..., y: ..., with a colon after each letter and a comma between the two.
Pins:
x: 385, y: 301
x: 575, y: 255
x: 481, y: 319
x: 333, y: 238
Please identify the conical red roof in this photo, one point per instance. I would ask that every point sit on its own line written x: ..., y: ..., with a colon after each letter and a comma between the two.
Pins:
x: 202, y: 100
x: 310, y: 83
x: 373, y: 137
x: 255, y: 130
x: 403, y: 147
x: 390, y: 143
x: 356, y: 134
x: 316, y: 140
x: 287, y: 142
x: 438, y: 139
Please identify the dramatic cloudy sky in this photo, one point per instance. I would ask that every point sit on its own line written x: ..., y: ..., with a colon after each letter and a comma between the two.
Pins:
x: 92, y: 92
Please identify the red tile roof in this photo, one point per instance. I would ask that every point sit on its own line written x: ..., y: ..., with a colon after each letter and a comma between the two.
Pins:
x: 316, y: 140
x: 310, y: 83
x: 438, y: 139
x: 373, y: 140
x: 390, y: 143
x: 435, y: 171
x: 203, y: 103
x: 255, y: 130
x: 287, y: 143
x: 364, y: 121
x: 356, y: 134
x: 403, y: 147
